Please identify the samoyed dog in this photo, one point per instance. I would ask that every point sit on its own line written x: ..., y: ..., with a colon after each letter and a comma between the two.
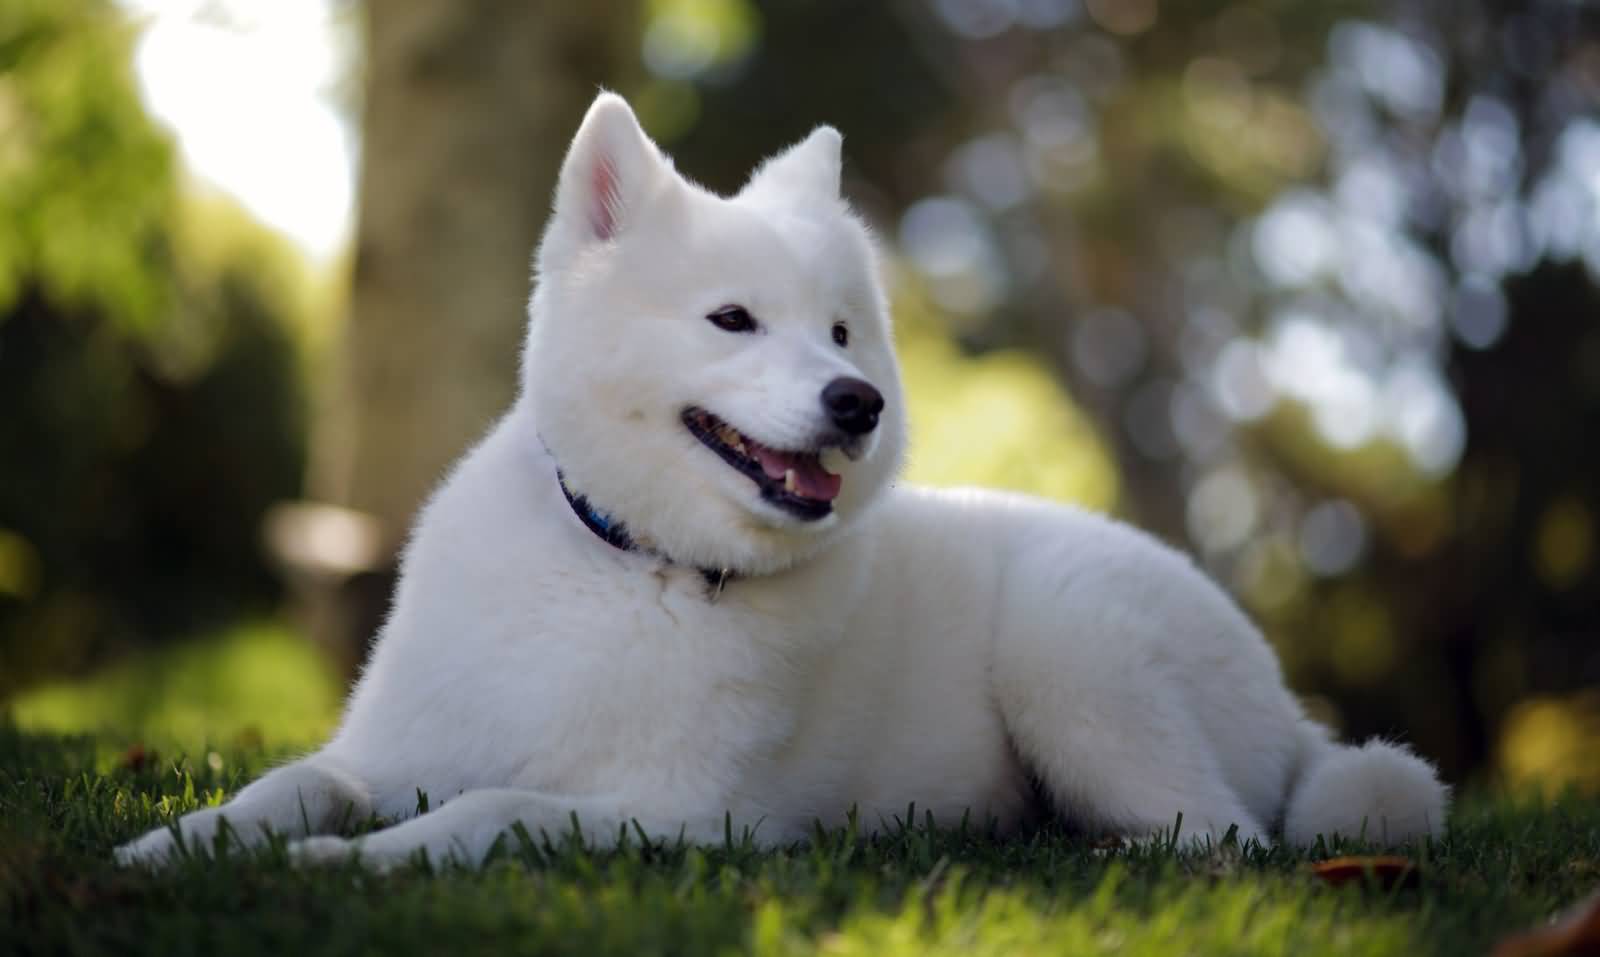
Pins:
x: 679, y: 585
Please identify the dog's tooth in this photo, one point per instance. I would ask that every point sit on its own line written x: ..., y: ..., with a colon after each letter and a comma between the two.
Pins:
x: 788, y: 480
x: 738, y: 446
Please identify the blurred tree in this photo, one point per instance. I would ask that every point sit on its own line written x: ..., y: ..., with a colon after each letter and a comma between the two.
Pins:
x: 468, y: 108
x: 151, y: 392
x: 1290, y: 255
x: 1483, y: 578
x: 882, y: 88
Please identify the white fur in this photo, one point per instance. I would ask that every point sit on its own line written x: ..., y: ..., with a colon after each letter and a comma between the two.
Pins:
x: 941, y: 648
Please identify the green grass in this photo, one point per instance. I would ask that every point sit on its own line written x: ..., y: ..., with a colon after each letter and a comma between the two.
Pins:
x: 64, y: 804
x: 223, y: 711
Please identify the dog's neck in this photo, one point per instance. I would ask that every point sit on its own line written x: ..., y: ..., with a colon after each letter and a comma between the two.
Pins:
x: 615, y: 534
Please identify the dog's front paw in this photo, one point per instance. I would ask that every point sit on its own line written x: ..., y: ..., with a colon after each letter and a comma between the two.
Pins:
x: 201, y: 833
x: 321, y: 850
x: 156, y: 849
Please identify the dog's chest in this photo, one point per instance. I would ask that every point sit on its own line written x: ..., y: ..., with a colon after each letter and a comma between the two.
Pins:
x: 665, y: 678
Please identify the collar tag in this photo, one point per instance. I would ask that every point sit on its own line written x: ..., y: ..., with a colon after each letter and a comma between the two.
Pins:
x: 716, y: 581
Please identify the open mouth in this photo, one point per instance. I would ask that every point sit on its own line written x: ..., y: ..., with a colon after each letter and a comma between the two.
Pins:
x: 794, y: 481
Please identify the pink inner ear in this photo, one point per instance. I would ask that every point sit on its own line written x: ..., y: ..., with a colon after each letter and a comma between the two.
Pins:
x: 605, y: 198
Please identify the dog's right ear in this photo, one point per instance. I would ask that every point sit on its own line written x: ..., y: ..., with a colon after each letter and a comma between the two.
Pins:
x: 807, y: 172
x: 611, y: 167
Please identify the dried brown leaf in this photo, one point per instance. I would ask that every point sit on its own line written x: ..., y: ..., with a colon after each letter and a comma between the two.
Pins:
x: 1386, y: 872
x: 136, y: 758
x: 1575, y: 933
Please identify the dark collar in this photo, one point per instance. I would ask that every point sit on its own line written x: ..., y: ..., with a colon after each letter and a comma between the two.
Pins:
x: 615, y: 534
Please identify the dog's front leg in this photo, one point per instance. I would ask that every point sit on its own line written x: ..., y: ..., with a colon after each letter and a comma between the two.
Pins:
x: 310, y: 796
x: 466, y: 827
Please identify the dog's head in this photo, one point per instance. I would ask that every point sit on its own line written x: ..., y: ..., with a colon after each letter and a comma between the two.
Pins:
x: 715, y: 372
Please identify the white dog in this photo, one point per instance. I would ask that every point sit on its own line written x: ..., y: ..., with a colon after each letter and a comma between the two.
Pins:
x: 678, y: 584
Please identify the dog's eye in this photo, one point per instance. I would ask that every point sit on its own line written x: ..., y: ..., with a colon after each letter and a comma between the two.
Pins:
x: 732, y: 319
x: 841, y: 334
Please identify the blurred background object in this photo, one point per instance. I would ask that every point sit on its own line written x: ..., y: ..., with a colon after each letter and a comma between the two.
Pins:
x: 1310, y: 289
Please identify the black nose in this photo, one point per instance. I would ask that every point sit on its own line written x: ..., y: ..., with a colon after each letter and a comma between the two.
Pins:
x: 853, y: 404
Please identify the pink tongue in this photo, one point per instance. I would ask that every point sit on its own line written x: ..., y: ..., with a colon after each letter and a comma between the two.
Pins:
x: 811, y: 480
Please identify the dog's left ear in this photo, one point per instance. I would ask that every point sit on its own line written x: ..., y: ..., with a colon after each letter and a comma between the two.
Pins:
x: 807, y: 170
x: 610, y: 170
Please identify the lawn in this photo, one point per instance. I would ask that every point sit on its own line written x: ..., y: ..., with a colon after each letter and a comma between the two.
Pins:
x: 66, y: 799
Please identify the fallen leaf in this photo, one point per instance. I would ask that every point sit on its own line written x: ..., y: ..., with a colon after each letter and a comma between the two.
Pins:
x: 1573, y: 934
x: 1385, y: 871
x: 136, y: 758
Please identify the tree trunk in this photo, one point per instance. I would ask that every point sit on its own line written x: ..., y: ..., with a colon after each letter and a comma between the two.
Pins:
x: 469, y: 106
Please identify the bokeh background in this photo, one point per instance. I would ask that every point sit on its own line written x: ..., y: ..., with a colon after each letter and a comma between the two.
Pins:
x: 1310, y: 288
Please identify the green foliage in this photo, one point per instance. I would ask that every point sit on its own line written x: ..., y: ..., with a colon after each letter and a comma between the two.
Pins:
x: 148, y: 343
x: 259, y: 682
x: 132, y: 498
x: 86, y: 181
x: 999, y: 420
x: 919, y: 890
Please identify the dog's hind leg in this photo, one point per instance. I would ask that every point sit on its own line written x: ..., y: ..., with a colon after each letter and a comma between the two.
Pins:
x: 310, y: 796
x: 1102, y: 715
x: 467, y: 827
x: 1135, y: 768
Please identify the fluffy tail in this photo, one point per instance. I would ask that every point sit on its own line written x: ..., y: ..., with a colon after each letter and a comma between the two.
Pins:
x: 1377, y: 791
